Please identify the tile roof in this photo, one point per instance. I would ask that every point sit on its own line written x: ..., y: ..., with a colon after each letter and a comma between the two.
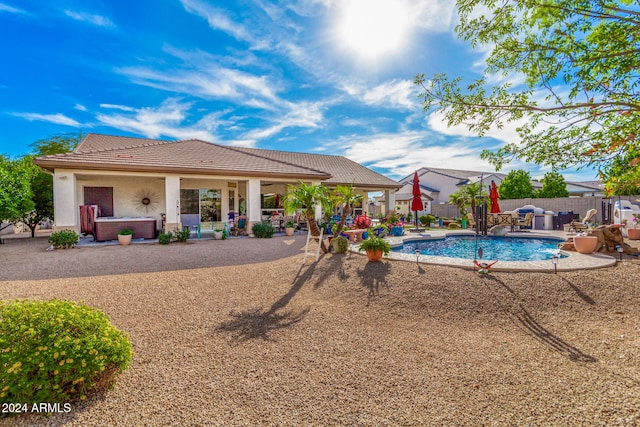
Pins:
x: 104, y: 152
x: 343, y: 170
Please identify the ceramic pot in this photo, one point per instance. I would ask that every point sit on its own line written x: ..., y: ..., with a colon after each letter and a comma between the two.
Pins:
x: 217, y: 235
x: 396, y: 231
x: 124, y: 239
x: 289, y: 231
x: 585, y: 244
x: 374, y: 255
x: 634, y: 233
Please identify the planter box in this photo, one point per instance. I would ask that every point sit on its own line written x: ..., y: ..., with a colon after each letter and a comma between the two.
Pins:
x: 634, y: 233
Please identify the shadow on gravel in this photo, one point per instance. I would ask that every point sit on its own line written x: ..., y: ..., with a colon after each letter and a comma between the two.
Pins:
x: 257, y: 323
x: 373, y: 275
x: 514, y: 309
x: 586, y: 298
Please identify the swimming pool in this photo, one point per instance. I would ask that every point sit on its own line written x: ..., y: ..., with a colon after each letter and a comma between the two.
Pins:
x: 493, y: 247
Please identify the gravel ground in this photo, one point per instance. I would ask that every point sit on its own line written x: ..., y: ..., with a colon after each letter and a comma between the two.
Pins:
x: 243, y: 332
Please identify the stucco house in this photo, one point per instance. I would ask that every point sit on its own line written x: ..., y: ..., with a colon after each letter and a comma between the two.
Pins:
x: 180, y: 183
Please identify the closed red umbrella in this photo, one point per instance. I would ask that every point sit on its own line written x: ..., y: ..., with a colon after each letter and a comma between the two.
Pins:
x: 416, y: 202
x: 494, y: 196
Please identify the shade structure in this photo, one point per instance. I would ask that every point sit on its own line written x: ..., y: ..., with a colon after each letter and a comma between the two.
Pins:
x: 416, y: 202
x: 493, y: 196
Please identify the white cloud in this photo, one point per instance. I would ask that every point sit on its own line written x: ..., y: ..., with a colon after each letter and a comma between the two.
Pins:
x: 402, y: 153
x: 304, y: 115
x: 217, y: 19
x: 116, y: 107
x: 10, y: 9
x: 58, y: 118
x: 437, y: 122
x: 393, y: 94
x: 167, y: 120
x: 80, y: 107
x: 98, y: 20
x: 433, y: 15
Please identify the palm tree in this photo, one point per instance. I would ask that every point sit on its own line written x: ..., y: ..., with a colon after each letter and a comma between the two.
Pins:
x: 472, y: 191
x: 461, y: 200
x: 306, y: 197
x: 344, y: 197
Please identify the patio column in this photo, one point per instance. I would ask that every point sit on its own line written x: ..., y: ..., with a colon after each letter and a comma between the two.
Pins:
x: 390, y: 201
x: 65, y: 202
x: 172, y: 206
x: 253, y: 203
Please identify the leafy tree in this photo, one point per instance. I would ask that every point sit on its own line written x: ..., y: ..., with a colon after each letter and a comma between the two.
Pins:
x: 15, y: 189
x: 465, y: 197
x: 57, y: 144
x: 41, y: 182
x: 344, y: 197
x: 622, y: 176
x: 306, y: 197
x: 553, y: 185
x: 516, y: 185
x: 580, y: 101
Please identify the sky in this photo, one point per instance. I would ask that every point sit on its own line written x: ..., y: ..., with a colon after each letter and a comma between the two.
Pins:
x: 319, y: 76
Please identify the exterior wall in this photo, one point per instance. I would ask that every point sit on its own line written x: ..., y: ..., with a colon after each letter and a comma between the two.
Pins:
x: 128, y: 193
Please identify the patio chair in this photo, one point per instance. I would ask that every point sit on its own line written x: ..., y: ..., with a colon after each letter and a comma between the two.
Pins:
x: 471, y: 221
x: 240, y: 227
x: 525, y: 222
x: 579, y: 226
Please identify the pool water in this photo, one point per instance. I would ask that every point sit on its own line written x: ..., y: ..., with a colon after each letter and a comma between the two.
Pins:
x: 493, y: 248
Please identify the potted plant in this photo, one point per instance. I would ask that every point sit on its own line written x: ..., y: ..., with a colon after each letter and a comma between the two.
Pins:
x: 375, y: 247
x: 124, y: 236
x: 634, y: 233
x: 289, y: 227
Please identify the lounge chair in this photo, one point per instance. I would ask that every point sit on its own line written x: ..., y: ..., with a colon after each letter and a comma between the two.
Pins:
x: 584, y: 224
x: 525, y: 222
x: 471, y: 221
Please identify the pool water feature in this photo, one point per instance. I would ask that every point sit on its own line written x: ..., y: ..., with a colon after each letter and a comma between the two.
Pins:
x: 493, y: 248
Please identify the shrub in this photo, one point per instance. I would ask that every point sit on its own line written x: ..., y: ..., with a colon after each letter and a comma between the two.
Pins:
x: 57, y: 351
x: 263, y: 230
x: 165, y: 238
x: 182, y: 235
x: 125, y: 232
x: 424, y: 220
x: 340, y: 245
x: 64, y: 239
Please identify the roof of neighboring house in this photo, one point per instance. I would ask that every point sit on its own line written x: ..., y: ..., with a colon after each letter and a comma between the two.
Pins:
x: 104, y: 152
x: 595, y: 186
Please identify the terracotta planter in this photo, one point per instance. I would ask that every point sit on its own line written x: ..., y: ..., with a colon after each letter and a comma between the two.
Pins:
x: 634, y: 233
x: 289, y: 231
x: 374, y: 255
x: 585, y: 244
x: 124, y: 239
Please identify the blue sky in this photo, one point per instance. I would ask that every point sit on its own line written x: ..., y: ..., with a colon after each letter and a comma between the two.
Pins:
x: 324, y: 76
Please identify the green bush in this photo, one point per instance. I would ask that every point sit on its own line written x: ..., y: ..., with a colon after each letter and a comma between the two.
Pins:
x: 57, y: 351
x: 182, y: 236
x: 340, y: 245
x: 125, y: 232
x: 263, y: 230
x: 165, y: 238
x: 64, y: 239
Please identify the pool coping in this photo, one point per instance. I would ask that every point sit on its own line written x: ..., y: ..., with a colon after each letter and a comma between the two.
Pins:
x: 572, y: 261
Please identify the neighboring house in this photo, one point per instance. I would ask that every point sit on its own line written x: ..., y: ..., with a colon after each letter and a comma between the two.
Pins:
x: 185, y: 182
x: 403, y: 199
x: 439, y: 184
x: 585, y: 188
